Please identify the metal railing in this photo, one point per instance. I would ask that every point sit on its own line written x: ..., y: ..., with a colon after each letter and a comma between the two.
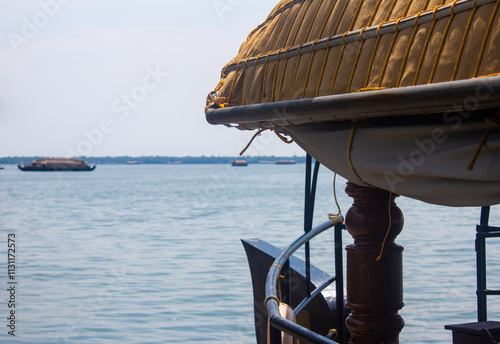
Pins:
x: 280, y: 266
x: 272, y: 298
x: 483, y: 231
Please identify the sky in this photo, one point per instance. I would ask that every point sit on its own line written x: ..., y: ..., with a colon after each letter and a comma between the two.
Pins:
x: 121, y: 77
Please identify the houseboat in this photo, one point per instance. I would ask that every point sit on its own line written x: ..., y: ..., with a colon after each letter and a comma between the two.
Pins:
x: 57, y: 164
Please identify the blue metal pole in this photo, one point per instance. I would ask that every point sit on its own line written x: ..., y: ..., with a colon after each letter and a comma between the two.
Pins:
x: 482, y: 313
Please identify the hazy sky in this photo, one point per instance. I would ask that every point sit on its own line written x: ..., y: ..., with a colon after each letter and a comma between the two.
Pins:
x: 120, y: 77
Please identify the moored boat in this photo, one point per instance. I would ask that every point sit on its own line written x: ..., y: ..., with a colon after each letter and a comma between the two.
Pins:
x: 398, y: 97
x: 284, y: 162
x: 239, y: 163
x: 57, y: 164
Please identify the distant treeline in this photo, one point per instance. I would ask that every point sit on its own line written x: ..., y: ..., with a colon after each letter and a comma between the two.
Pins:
x: 160, y: 159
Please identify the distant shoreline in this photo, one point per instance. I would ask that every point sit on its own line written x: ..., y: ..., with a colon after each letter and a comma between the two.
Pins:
x: 133, y: 160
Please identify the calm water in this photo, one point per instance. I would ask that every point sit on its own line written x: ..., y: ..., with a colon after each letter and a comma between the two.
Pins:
x: 151, y: 254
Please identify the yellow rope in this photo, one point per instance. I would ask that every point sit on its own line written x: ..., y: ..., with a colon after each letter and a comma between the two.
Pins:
x: 325, y: 60
x: 243, y: 83
x: 375, y: 10
x: 293, y: 21
x: 410, y: 42
x: 295, y: 72
x: 425, y: 5
x: 496, y: 126
x: 471, y: 164
x: 443, y: 40
x: 353, y: 22
x: 486, y: 37
x: 488, y: 75
x: 408, y: 5
x: 355, y: 17
x: 328, y: 48
x: 374, y: 50
x: 346, y: 4
x: 281, y: 136
x: 281, y: 21
x: 355, y: 65
x: 253, y: 38
x: 283, y: 73
x: 407, y: 53
x: 298, y: 52
x: 464, y: 40
x: 279, y: 285
x: 349, y: 149
x: 306, y: 80
x: 251, y: 140
x: 252, y: 43
x: 263, y: 88
x: 275, y: 79
x: 334, y: 79
x: 335, y: 217
x: 274, y: 48
x: 366, y: 89
x: 313, y: 52
x: 285, y: 41
x: 326, y: 20
x: 370, y: 66
x: 271, y: 28
x: 424, y: 48
x: 242, y: 125
x: 361, y: 47
x: 389, y: 13
x: 280, y: 29
x: 312, y: 21
x: 272, y: 15
x: 234, y: 81
x: 255, y: 41
x: 388, y: 229
x: 349, y: 154
x: 389, y: 52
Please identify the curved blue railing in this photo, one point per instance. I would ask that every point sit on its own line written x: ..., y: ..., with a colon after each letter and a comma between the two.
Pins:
x: 271, y: 289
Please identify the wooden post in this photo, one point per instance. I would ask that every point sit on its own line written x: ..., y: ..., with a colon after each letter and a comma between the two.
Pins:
x: 374, y: 288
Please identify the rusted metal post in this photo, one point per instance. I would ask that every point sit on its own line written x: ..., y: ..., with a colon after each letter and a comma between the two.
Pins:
x: 374, y: 287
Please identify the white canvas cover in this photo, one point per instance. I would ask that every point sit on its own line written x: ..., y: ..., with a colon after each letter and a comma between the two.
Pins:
x: 425, y: 162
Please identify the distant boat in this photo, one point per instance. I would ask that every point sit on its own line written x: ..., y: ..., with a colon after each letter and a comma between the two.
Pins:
x: 134, y: 162
x: 239, y: 163
x: 57, y: 164
x: 284, y: 162
x: 1, y: 167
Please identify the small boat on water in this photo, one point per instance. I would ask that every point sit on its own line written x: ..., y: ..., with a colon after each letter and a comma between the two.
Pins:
x: 239, y: 163
x: 56, y: 165
x: 284, y: 162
